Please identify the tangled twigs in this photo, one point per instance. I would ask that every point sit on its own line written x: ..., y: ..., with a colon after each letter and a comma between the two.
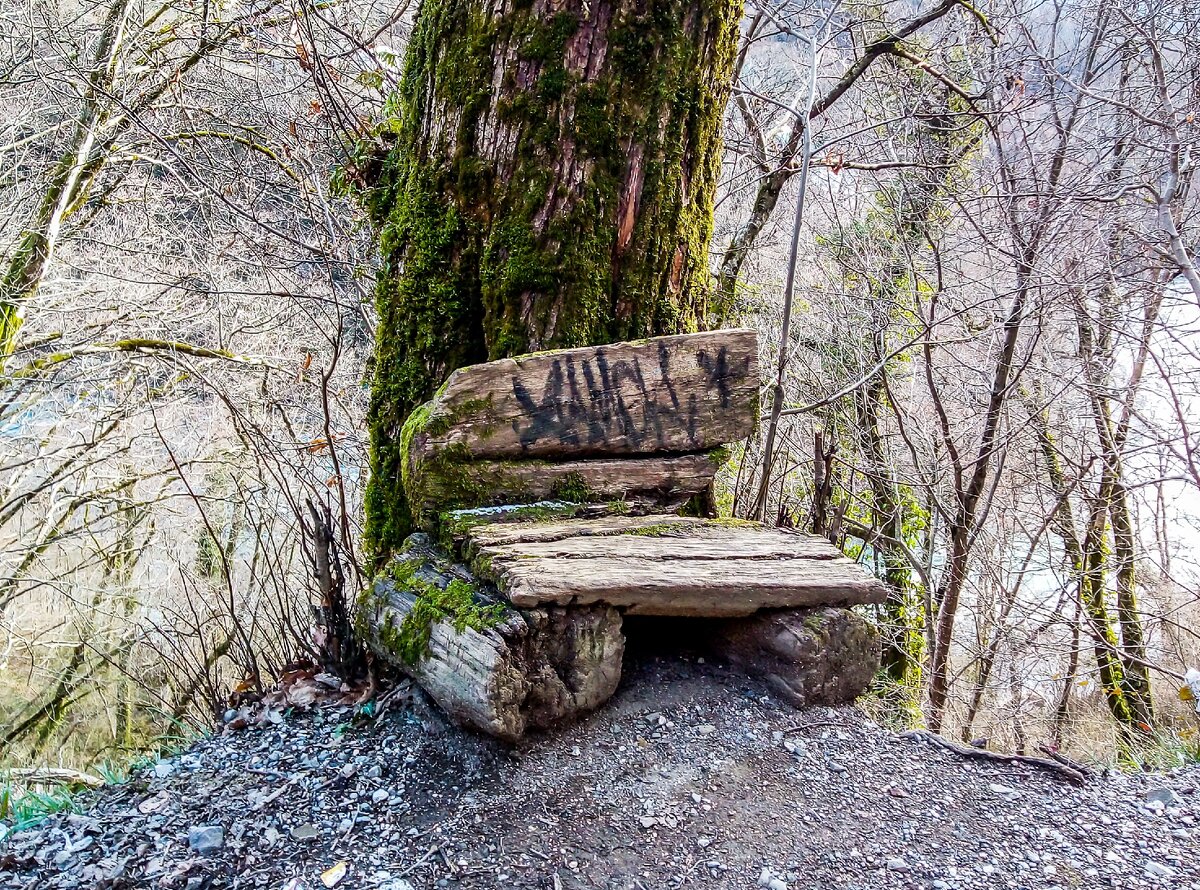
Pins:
x: 1073, y: 773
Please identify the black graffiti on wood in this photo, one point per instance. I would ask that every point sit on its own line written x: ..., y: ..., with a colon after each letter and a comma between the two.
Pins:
x: 589, y: 404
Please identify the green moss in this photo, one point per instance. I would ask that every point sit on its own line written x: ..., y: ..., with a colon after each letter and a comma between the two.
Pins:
x: 660, y: 530
x: 572, y: 487
x: 457, y: 603
x: 492, y: 253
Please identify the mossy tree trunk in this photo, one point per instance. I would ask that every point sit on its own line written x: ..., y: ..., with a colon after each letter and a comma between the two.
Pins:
x: 550, y: 185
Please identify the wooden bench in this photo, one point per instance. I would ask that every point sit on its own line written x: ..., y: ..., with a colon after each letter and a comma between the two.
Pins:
x: 549, y: 487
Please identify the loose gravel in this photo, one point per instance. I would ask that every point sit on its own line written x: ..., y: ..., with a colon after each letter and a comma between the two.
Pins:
x: 691, y: 777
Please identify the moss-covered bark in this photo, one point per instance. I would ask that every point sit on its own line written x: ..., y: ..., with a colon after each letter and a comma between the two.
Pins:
x: 550, y: 185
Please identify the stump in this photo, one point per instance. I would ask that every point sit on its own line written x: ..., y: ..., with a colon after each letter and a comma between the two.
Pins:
x: 823, y: 656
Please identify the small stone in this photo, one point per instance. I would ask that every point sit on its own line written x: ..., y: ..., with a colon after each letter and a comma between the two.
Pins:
x: 939, y: 885
x: 776, y: 884
x: 1154, y: 869
x: 305, y: 832
x: 1163, y: 796
x: 706, y: 729
x: 897, y: 864
x: 648, y: 821
x: 380, y: 795
x: 162, y: 769
x: 204, y: 839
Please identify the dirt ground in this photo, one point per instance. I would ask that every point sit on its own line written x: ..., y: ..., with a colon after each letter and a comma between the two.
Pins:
x: 691, y: 777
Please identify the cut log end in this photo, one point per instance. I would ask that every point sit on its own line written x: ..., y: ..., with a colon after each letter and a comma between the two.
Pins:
x: 488, y: 665
x: 823, y: 656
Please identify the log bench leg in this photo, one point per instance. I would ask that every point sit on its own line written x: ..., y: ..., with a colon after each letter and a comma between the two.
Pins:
x: 819, y: 656
x: 490, y: 666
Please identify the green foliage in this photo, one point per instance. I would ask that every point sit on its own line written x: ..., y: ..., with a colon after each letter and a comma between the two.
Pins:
x: 1164, y: 749
x: 21, y: 807
x: 572, y: 488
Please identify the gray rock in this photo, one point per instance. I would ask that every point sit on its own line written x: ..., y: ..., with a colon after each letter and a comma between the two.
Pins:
x: 897, y: 864
x: 205, y: 839
x: 1154, y: 869
x: 1164, y: 796
x: 305, y: 832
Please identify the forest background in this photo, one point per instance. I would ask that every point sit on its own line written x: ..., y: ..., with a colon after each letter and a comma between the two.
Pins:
x: 984, y: 386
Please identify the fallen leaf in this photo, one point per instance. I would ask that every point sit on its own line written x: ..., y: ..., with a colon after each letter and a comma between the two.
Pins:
x: 333, y: 875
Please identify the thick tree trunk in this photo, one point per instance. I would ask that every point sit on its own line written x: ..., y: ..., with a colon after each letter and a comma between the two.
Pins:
x: 551, y: 185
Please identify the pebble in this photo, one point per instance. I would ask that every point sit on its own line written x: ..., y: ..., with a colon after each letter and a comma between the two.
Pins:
x: 382, y: 793
x: 1154, y: 869
x: 1163, y: 796
x: 204, y: 839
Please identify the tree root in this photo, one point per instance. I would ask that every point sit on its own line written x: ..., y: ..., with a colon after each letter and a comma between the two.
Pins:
x: 1072, y: 772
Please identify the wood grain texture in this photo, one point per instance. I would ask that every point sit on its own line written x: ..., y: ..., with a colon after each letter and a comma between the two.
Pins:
x: 666, y: 481
x: 533, y: 668
x: 499, y: 533
x: 666, y: 566
x: 824, y: 656
x: 676, y: 394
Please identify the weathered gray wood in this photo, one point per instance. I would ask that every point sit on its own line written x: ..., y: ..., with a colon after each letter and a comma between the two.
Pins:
x: 499, y: 533
x: 530, y: 668
x: 471, y: 530
x: 820, y: 656
x: 666, y: 481
x: 669, y: 394
x: 653, y: 566
x: 688, y: 543
x: 681, y: 587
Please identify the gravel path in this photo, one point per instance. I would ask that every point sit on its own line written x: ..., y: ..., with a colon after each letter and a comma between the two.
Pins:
x: 692, y: 777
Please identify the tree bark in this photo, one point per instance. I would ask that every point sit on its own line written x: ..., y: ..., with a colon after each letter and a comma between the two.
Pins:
x: 550, y: 185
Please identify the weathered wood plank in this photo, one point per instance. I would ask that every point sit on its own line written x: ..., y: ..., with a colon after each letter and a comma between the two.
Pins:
x: 499, y: 533
x: 711, y: 588
x: 665, y: 565
x: 669, y: 394
x: 664, y: 481
x: 694, y: 542
x: 520, y: 669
